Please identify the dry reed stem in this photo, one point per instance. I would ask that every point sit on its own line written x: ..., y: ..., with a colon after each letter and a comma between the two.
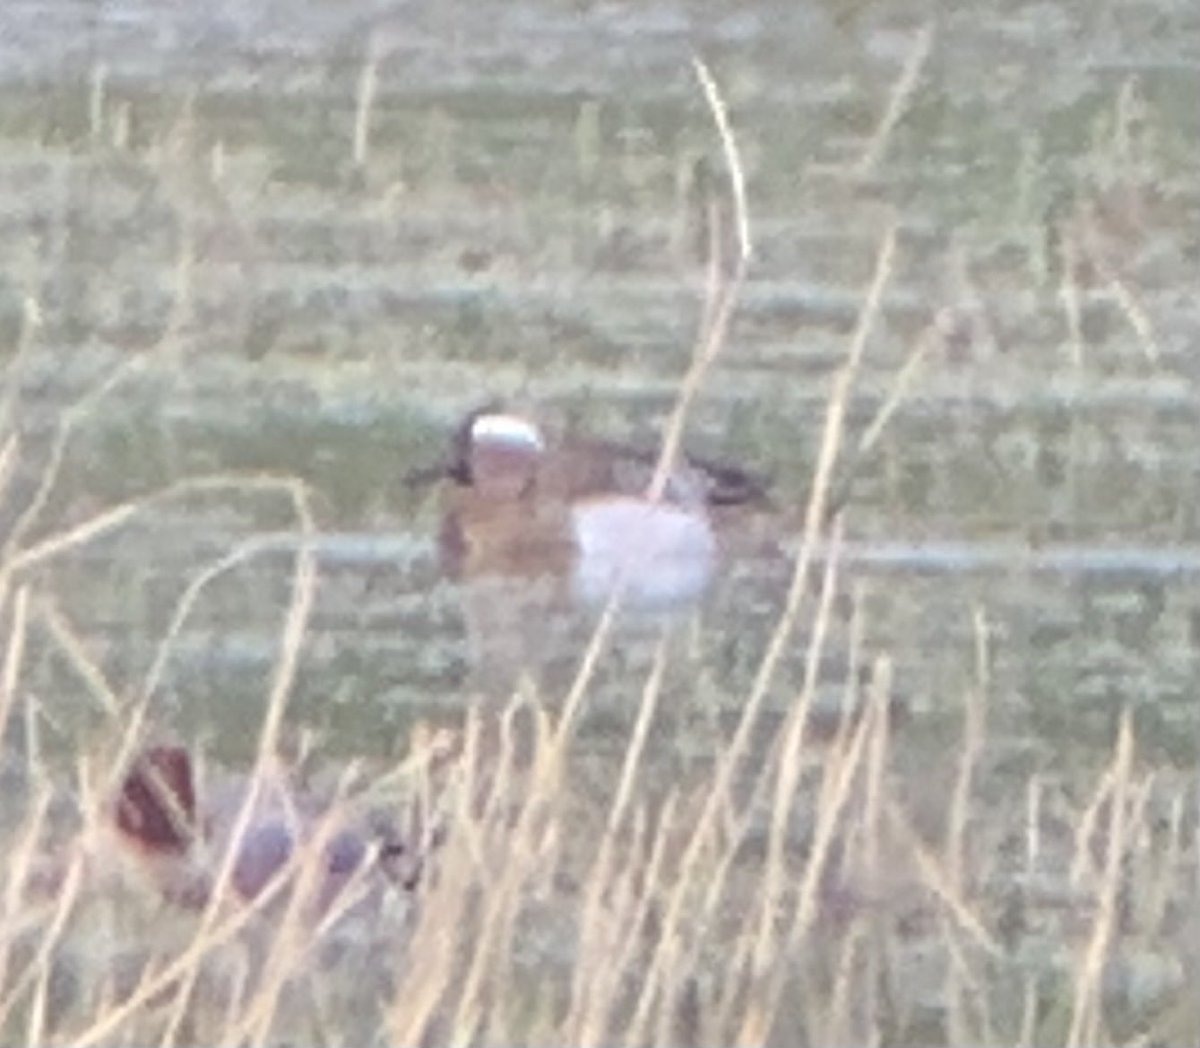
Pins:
x: 1083, y: 864
x: 855, y: 631
x: 1172, y: 858
x: 595, y: 993
x: 1034, y: 794
x: 1068, y: 294
x: 113, y: 517
x: 873, y: 800
x: 73, y: 649
x: 498, y: 907
x: 500, y: 778
x: 716, y: 317
x: 596, y: 917
x: 1087, y: 1015
x: 173, y: 165
x: 8, y: 461
x: 664, y: 957
x: 842, y: 767
x: 585, y: 1026
x: 714, y: 267
x: 480, y: 837
x: 31, y: 323
x: 21, y: 857
x: 719, y: 797
x: 637, y: 743
x: 788, y: 767
x: 1135, y: 314
x: 13, y: 656
x: 97, y: 86
x: 974, y: 728
x: 893, y: 398
x: 364, y: 100
x: 410, y: 1015
x: 861, y: 840
x: 781, y: 636
x: 733, y: 157
x: 898, y: 101
x: 751, y: 954
x: 968, y: 1020
x: 292, y: 940
x: 66, y: 898
x: 934, y: 877
x: 896, y: 392
x: 1029, y: 1013
x: 714, y: 334
x: 240, y: 554
x: 866, y: 833
x: 21, y: 866
x: 64, y: 432
x: 970, y: 304
x: 70, y: 539
x: 854, y: 950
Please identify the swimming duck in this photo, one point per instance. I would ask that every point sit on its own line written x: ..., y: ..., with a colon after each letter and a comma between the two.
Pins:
x: 177, y: 839
x: 579, y: 512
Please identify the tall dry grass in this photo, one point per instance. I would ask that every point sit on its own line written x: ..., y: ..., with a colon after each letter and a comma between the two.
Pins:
x: 801, y: 892
x: 798, y: 892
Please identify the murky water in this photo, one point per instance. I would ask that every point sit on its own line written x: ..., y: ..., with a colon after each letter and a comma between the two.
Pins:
x: 186, y: 201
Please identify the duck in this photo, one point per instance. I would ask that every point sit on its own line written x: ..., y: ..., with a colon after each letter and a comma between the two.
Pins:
x: 578, y: 513
x: 177, y: 839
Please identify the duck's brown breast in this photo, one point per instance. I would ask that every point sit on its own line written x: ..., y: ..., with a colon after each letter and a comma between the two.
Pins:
x: 526, y: 536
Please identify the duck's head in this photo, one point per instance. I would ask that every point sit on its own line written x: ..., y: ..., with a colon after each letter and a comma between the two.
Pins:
x: 496, y: 453
x: 156, y: 807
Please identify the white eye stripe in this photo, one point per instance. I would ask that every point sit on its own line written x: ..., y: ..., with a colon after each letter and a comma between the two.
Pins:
x: 506, y: 429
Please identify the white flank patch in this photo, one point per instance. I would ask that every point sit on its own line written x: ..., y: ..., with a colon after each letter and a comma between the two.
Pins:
x: 661, y: 555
